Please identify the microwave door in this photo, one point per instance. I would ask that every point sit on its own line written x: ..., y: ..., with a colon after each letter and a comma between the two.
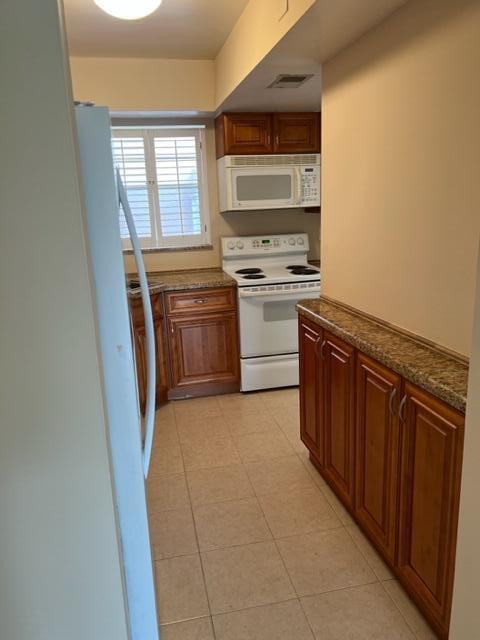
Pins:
x: 264, y: 187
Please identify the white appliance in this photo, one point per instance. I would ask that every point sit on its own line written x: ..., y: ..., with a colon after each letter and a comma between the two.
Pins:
x: 288, y: 181
x: 129, y: 459
x: 272, y: 274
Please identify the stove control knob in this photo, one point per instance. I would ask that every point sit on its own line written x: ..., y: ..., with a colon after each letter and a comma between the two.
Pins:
x: 300, y: 241
x: 291, y: 241
x: 230, y: 244
x: 240, y: 244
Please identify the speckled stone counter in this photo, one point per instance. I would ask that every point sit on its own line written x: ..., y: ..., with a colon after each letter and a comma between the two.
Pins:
x: 443, y: 376
x: 182, y: 280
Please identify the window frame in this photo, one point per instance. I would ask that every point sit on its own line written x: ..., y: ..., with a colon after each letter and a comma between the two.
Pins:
x: 157, y: 241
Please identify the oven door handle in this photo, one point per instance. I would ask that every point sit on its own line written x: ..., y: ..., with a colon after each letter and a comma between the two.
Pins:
x: 280, y: 294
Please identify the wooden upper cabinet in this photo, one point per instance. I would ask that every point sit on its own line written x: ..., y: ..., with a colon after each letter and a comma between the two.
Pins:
x: 376, y: 452
x: 243, y: 133
x: 432, y: 446
x: 311, y: 405
x: 296, y: 133
x: 257, y: 133
x: 339, y: 425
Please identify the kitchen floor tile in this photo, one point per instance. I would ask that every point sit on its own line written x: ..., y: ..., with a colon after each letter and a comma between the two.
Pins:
x: 241, y: 404
x: 219, y: 484
x: 263, y: 446
x: 335, y: 503
x: 280, y: 474
x: 240, y: 425
x: 207, y: 407
x: 172, y: 533
x: 198, y: 629
x: 167, y: 492
x: 281, y: 398
x: 358, y: 613
x: 166, y: 434
x: 246, y: 576
x: 180, y: 589
x: 371, y: 556
x: 166, y: 458
x: 227, y: 524
x: 295, y: 512
x: 412, y: 615
x: 193, y: 429
x: 204, y: 453
x: 286, y: 416
x: 282, y: 621
x: 324, y: 561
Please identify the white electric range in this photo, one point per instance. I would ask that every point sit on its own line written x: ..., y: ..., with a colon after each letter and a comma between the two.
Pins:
x: 272, y: 274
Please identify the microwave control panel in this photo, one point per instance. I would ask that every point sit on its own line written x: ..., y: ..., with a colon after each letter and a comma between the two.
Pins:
x: 310, y: 185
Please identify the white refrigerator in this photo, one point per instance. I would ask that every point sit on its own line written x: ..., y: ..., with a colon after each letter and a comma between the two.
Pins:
x: 129, y: 455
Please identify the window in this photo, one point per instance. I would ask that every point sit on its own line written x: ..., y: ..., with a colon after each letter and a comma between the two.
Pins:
x: 163, y: 170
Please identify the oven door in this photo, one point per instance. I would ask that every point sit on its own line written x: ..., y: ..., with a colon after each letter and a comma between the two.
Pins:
x: 268, y: 321
x: 265, y: 187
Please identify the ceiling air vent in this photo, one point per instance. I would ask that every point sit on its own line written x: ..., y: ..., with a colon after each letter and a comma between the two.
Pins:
x: 289, y: 81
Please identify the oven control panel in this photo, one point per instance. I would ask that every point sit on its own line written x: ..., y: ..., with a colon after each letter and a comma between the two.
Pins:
x: 257, y: 245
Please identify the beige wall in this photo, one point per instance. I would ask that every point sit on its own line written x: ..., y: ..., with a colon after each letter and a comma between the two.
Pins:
x: 228, y: 224
x: 400, y: 170
x: 140, y: 84
x: 256, y: 32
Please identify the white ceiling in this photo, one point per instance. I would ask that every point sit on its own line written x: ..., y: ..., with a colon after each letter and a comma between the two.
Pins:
x: 188, y: 29
x: 325, y: 29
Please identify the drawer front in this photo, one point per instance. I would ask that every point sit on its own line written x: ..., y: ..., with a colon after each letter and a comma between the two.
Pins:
x: 200, y: 300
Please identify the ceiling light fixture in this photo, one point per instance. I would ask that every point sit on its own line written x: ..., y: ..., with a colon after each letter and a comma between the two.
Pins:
x: 128, y: 9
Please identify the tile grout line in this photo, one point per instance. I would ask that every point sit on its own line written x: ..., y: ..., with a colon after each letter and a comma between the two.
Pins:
x: 197, y: 540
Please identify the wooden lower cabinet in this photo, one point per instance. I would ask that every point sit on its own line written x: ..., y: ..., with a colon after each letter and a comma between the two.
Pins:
x: 203, y: 344
x: 139, y: 341
x: 203, y: 352
x: 338, y: 415
x: 376, y: 453
x: 311, y: 404
x: 393, y: 454
x: 432, y: 447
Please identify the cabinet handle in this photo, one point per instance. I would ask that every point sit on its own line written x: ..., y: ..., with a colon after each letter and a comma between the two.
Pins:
x: 315, y: 348
x: 402, y: 415
x: 393, y: 393
x: 322, y: 350
x: 200, y: 301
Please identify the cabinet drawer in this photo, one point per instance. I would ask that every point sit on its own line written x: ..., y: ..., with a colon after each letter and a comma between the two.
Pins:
x: 201, y: 300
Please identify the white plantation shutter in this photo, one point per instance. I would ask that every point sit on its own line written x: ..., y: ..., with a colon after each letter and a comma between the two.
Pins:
x: 164, y: 174
x: 129, y: 157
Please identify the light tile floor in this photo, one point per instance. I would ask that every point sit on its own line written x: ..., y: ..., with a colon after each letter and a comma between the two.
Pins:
x: 249, y: 542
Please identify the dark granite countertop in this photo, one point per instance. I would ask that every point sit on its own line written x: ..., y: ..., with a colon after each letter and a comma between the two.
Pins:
x: 442, y: 375
x: 182, y: 280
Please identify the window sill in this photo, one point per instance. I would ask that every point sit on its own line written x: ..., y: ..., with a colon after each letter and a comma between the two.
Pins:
x: 202, y: 247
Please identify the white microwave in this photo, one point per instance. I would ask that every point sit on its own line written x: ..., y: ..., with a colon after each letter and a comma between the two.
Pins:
x: 247, y: 183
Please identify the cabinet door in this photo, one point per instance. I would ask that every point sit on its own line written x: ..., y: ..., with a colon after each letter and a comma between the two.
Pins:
x: 376, y: 452
x: 338, y: 397
x: 204, y: 350
x: 140, y: 344
x: 311, y: 407
x: 239, y: 133
x: 296, y: 132
x: 432, y: 444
